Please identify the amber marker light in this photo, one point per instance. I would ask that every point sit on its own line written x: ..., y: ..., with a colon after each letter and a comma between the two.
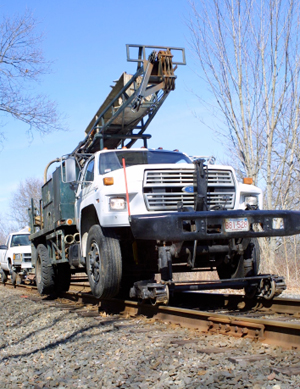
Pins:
x: 248, y: 180
x: 69, y: 221
x: 108, y: 181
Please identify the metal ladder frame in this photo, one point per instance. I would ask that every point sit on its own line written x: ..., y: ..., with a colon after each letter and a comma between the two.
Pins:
x: 157, y: 80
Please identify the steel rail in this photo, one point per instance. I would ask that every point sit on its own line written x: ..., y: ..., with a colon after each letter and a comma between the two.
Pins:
x: 286, y: 335
x: 196, y: 300
x: 275, y: 332
x: 232, y: 302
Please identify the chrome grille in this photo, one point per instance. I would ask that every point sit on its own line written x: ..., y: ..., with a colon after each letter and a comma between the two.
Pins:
x: 27, y: 257
x: 220, y: 178
x: 168, y: 201
x: 166, y: 177
x: 164, y: 189
x: 170, y: 177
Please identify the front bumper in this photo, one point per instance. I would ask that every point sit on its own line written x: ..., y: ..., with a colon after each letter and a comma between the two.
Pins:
x: 183, y: 226
x: 27, y: 265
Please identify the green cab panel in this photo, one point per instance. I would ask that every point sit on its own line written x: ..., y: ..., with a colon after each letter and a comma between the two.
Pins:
x: 58, y: 201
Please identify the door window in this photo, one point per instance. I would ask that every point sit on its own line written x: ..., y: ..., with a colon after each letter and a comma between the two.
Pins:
x: 89, y: 173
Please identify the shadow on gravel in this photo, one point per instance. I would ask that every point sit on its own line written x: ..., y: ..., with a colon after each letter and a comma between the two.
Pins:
x: 27, y: 321
x: 57, y: 343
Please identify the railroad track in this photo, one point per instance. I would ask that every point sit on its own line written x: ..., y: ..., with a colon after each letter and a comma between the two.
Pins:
x: 274, y: 322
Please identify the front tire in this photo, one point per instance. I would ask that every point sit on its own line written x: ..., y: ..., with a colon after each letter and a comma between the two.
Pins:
x: 44, y: 271
x: 252, y: 258
x: 242, y: 265
x: 13, y: 277
x: 251, y: 266
x: 103, y: 262
x: 3, y: 276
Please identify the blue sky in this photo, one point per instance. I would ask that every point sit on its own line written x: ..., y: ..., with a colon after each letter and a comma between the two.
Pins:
x: 86, y: 40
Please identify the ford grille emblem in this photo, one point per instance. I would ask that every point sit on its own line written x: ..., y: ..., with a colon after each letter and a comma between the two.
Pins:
x: 188, y: 189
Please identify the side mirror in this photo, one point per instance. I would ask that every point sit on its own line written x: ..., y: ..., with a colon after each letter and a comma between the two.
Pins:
x: 74, y: 185
x: 70, y: 169
x: 3, y: 247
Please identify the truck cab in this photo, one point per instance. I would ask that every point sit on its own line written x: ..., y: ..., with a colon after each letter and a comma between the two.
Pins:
x: 157, y: 181
x: 15, y: 256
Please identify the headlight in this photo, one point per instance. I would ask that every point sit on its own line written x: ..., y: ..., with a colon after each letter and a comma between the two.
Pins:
x: 17, y: 257
x: 117, y: 204
x: 251, y: 200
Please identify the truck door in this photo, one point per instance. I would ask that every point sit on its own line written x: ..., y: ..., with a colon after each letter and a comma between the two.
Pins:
x: 3, y: 254
x: 3, y: 250
x: 86, y: 191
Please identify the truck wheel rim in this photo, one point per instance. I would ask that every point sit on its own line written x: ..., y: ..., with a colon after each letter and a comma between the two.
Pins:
x: 95, y: 262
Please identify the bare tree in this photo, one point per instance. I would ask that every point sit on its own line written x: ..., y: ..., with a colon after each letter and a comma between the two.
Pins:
x: 249, y: 55
x: 5, y: 228
x: 3, y: 236
x: 21, y: 201
x: 21, y: 65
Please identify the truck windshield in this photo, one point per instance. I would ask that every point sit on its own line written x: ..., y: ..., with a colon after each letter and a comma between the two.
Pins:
x: 20, y: 240
x: 113, y: 160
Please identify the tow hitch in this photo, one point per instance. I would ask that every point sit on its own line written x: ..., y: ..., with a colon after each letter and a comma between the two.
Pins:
x: 267, y: 286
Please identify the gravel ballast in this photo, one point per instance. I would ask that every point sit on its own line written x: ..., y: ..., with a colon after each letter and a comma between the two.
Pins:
x: 43, y: 346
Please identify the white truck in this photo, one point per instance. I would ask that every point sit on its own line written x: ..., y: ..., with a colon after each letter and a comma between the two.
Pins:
x: 131, y: 217
x: 15, y: 256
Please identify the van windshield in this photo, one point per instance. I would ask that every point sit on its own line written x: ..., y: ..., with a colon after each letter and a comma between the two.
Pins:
x: 113, y: 160
x: 20, y: 240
